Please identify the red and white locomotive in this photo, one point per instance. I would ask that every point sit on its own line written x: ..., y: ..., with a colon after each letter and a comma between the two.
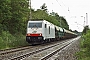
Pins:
x: 39, y: 31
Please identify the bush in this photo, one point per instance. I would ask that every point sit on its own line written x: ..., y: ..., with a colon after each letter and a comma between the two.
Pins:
x: 8, y: 40
x: 84, y: 54
x: 1, y: 43
x: 86, y: 43
x: 20, y: 40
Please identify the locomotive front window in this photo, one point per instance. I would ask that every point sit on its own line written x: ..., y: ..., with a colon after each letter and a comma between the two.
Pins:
x: 35, y: 25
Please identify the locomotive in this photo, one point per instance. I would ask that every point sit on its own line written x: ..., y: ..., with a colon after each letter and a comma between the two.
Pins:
x: 43, y: 31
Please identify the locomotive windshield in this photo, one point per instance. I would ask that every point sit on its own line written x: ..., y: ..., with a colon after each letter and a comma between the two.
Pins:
x: 35, y: 25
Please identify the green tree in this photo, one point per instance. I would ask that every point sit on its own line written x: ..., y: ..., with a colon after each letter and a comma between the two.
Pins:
x: 5, y: 14
x: 39, y: 14
x: 19, y: 15
x: 64, y: 23
x: 14, y: 15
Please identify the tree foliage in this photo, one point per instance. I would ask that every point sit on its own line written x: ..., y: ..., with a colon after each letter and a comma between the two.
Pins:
x: 13, y: 15
x: 5, y: 14
x: 84, y: 53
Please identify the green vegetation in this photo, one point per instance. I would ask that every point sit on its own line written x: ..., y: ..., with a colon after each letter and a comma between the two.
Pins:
x: 84, y: 53
x: 14, y: 15
x: 8, y: 40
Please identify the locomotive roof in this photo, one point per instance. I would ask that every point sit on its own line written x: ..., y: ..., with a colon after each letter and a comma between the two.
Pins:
x: 37, y: 20
x: 40, y: 21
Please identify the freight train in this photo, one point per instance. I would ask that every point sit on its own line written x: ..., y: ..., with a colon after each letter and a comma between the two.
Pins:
x: 43, y: 31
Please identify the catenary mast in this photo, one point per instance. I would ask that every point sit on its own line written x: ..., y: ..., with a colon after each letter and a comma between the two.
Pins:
x: 30, y: 17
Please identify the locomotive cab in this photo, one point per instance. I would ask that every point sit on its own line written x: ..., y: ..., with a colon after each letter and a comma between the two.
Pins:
x: 34, y: 32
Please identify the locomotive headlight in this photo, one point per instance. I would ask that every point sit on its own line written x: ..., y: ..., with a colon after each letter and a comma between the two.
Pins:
x: 27, y: 34
x: 40, y: 34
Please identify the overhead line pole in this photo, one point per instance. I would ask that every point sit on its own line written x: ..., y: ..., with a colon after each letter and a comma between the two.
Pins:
x: 86, y: 19
x: 30, y: 17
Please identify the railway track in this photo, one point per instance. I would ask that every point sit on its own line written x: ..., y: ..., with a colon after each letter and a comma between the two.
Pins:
x: 25, y: 52
x: 7, y: 51
x: 48, y: 53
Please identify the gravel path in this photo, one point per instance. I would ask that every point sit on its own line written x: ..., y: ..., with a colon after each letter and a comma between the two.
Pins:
x: 69, y: 53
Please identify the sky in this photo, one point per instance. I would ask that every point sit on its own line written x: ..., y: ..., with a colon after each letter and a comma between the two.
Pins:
x: 74, y: 11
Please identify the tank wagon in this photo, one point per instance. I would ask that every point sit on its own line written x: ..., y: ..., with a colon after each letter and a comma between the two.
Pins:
x: 44, y: 31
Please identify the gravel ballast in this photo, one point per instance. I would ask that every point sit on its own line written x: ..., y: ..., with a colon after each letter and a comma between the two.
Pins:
x: 69, y: 52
